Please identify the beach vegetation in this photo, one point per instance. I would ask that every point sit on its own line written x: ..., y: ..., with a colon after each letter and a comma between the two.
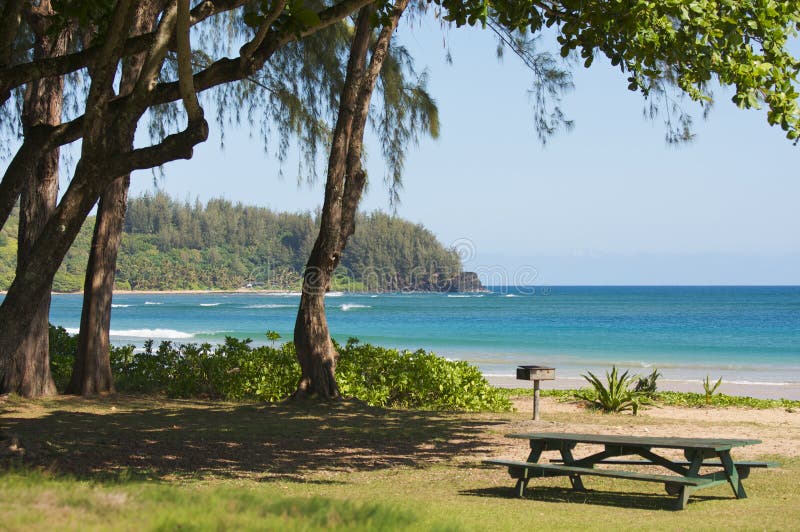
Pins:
x: 709, y: 388
x: 648, y: 385
x: 273, y: 336
x: 237, y: 371
x: 668, y: 398
x: 692, y: 399
x: 616, y: 394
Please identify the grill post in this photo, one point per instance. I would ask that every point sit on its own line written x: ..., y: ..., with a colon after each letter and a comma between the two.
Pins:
x: 535, y: 374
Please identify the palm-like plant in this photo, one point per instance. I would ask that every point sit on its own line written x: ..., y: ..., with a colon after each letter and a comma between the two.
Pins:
x: 615, y: 395
x: 648, y: 385
x: 710, y: 389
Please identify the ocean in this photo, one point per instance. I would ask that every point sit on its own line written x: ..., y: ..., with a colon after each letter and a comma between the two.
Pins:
x: 746, y: 335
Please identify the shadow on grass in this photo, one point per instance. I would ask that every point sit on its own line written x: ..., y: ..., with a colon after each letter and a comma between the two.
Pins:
x: 138, y: 438
x: 639, y: 500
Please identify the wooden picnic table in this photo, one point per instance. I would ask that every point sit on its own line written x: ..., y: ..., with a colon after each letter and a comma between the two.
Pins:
x: 686, y: 478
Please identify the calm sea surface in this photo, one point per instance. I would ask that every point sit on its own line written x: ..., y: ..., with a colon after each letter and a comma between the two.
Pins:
x: 743, y: 334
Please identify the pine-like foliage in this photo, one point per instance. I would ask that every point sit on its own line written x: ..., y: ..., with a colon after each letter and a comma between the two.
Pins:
x: 169, y: 245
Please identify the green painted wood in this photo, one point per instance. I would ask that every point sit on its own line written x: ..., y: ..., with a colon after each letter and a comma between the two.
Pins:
x: 570, y: 470
x: 707, y: 463
x: 713, y: 444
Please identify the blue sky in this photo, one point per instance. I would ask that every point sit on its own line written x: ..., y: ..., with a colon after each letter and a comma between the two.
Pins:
x: 608, y: 203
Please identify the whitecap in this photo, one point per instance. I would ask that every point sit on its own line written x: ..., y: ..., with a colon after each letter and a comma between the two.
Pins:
x: 511, y: 295
x: 348, y: 306
x: 210, y: 304
x: 335, y: 294
x: 152, y: 303
x: 152, y: 333
x: 119, y: 305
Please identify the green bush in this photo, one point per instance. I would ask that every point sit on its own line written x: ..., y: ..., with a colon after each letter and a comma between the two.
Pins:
x: 63, y: 348
x: 419, y: 379
x: 237, y: 371
x: 615, y: 395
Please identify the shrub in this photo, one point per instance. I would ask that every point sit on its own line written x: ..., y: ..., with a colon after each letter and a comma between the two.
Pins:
x: 648, y: 385
x: 418, y: 379
x: 614, y: 396
x: 63, y: 348
x: 237, y: 371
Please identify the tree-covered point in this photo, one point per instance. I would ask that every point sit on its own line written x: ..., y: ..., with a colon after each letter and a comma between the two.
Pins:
x: 172, y: 245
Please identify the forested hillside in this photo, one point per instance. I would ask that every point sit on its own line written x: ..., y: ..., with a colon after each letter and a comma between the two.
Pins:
x: 170, y: 245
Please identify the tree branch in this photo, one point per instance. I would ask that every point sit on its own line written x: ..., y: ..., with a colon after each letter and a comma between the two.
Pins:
x: 271, y: 16
x: 173, y: 147
x: 9, y: 26
x: 222, y: 71
x: 105, y: 68
x: 185, y: 80
x: 17, y: 75
x: 356, y: 176
x: 155, y: 58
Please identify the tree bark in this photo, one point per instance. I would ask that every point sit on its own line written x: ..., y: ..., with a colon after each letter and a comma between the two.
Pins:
x: 91, y: 372
x: 344, y: 186
x: 27, y: 369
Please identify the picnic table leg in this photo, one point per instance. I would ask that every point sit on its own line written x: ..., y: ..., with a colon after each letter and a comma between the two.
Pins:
x: 536, y: 452
x: 566, y: 456
x: 695, y: 462
x: 732, y: 473
x: 522, y: 483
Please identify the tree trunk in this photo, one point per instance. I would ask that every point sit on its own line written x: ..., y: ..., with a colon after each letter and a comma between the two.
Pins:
x: 91, y: 373
x: 315, y: 351
x: 343, y: 189
x: 27, y: 369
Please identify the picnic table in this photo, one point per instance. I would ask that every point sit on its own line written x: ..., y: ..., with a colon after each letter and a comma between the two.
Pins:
x: 714, y: 453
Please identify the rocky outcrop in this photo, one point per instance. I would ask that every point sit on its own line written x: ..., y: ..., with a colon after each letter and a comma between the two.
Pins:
x: 465, y: 282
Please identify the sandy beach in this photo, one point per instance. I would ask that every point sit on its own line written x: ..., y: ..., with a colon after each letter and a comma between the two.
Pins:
x: 761, y: 391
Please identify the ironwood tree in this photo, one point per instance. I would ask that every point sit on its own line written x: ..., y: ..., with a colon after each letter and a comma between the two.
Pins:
x: 660, y: 46
x: 108, y: 120
x: 91, y: 372
x: 28, y: 367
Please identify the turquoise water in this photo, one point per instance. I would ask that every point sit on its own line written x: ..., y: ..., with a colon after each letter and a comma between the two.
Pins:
x: 744, y: 334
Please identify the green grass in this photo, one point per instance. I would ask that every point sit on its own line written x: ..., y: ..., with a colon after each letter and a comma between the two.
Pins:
x: 149, y: 463
x: 689, y: 399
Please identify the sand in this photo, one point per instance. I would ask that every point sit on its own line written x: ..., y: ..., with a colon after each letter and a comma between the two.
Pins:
x: 777, y: 428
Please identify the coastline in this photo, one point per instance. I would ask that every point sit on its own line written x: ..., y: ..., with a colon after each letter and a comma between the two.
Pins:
x: 758, y: 391
x: 187, y: 292
x: 494, y: 358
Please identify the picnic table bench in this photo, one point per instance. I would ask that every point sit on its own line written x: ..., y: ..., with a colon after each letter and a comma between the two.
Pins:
x: 698, y: 452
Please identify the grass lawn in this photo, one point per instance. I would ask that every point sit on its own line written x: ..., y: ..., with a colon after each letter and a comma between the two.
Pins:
x: 129, y: 462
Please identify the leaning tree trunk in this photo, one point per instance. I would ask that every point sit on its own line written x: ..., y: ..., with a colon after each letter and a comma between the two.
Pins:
x: 91, y: 372
x: 345, y: 183
x: 315, y: 351
x: 27, y: 369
